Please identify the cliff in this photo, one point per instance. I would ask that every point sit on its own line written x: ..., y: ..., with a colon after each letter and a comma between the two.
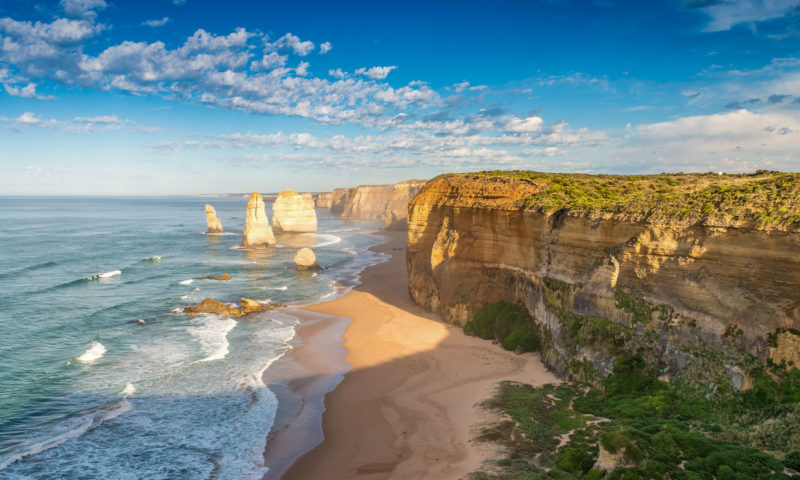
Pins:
x: 698, y: 274
x: 214, y: 225
x: 323, y: 200
x: 293, y: 212
x: 257, y: 232
x: 340, y: 199
x: 396, y: 212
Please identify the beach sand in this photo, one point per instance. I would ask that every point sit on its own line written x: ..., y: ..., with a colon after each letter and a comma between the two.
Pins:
x: 408, y: 408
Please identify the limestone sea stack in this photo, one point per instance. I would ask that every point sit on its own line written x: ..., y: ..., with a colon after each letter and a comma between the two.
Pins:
x: 214, y: 225
x: 306, y: 260
x: 293, y: 212
x: 257, y: 232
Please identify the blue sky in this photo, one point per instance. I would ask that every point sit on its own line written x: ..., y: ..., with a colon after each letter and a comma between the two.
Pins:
x: 123, y: 97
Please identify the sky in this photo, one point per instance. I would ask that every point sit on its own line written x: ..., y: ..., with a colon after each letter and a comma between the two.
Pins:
x: 191, y: 96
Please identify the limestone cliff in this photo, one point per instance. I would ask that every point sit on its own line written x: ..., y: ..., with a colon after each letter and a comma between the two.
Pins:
x: 699, y: 275
x: 257, y: 232
x: 214, y: 225
x: 340, y: 199
x: 368, y: 202
x: 293, y: 212
x: 323, y: 200
x: 396, y: 212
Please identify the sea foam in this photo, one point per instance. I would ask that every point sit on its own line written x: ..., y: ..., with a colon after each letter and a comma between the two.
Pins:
x: 95, y: 351
x: 213, y: 336
x: 186, y: 282
x: 112, y: 273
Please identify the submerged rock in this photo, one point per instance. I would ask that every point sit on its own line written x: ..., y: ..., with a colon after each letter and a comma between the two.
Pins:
x: 257, y: 232
x: 306, y: 260
x: 223, y: 277
x: 214, y: 225
x: 293, y: 212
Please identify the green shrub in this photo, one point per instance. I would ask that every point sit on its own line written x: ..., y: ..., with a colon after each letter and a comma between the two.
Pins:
x: 574, y: 460
x: 792, y: 460
x: 510, y: 323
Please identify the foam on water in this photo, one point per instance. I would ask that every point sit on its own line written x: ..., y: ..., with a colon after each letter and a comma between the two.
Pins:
x: 212, y: 333
x: 128, y: 390
x: 95, y: 352
x: 323, y: 239
x: 112, y: 273
x: 186, y: 282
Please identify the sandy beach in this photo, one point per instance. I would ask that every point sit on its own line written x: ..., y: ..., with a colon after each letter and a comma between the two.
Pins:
x: 408, y: 406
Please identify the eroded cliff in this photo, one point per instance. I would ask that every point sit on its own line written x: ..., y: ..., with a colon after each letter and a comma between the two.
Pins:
x: 699, y: 274
x: 396, y: 211
x: 294, y: 212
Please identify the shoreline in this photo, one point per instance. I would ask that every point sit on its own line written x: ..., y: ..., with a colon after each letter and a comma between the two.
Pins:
x: 408, y: 406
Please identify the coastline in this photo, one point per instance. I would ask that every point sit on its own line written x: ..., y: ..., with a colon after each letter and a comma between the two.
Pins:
x: 408, y: 406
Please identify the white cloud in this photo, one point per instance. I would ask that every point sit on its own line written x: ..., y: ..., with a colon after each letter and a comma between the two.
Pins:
x: 726, y: 14
x: 302, y: 69
x: 29, y: 118
x: 375, y: 73
x: 94, y: 124
x: 269, y: 61
x: 325, y: 48
x: 292, y: 42
x: 82, y: 8
x: 26, y: 91
x: 156, y: 22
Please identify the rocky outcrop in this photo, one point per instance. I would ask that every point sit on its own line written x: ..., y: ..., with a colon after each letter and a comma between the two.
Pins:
x: 209, y: 305
x: 704, y: 300
x: 306, y: 260
x: 396, y: 211
x: 214, y: 225
x: 293, y: 212
x: 257, y: 232
x: 368, y: 202
x: 324, y: 200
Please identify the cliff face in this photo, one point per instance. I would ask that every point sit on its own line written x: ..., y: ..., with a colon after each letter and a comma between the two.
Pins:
x: 704, y: 301
x: 340, y: 198
x: 365, y: 202
x: 293, y: 212
x: 323, y: 200
x: 396, y: 212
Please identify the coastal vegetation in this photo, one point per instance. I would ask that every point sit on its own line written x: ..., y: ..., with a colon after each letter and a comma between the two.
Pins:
x: 764, y: 198
x: 635, y: 426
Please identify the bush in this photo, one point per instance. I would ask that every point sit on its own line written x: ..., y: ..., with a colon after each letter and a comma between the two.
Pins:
x: 510, y: 323
x: 792, y: 460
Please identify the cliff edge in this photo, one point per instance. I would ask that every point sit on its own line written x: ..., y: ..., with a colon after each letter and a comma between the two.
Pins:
x: 698, y: 274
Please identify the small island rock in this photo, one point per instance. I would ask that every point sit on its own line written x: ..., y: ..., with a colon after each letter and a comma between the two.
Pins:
x: 306, y: 260
x: 257, y: 232
x: 249, y: 305
x: 214, y: 225
x: 209, y: 305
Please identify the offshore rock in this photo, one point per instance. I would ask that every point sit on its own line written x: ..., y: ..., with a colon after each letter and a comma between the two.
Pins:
x: 293, y: 212
x: 249, y: 305
x: 257, y: 232
x: 396, y: 212
x: 306, y: 260
x: 209, y: 305
x: 223, y: 277
x: 214, y: 225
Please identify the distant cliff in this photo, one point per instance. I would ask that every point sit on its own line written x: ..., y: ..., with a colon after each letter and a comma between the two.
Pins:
x: 388, y: 203
x: 699, y: 274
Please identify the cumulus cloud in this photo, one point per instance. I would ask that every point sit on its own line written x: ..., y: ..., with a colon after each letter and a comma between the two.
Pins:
x: 325, y: 48
x: 292, y: 42
x: 375, y: 73
x: 82, y: 8
x: 93, y: 124
x: 156, y: 22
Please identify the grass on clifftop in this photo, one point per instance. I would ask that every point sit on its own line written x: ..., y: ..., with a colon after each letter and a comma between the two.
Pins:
x: 764, y: 198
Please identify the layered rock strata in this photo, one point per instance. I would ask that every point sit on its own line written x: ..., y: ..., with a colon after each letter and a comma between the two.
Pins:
x: 705, y: 300
x: 257, y: 232
x: 396, y: 211
x: 323, y: 200
x: 214, y: 225
x: 293, y: 212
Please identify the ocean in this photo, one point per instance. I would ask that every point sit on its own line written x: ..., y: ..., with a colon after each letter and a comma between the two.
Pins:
x: 102, y: 375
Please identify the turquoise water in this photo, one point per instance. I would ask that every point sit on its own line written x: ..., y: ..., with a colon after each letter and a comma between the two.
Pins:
x: 102, y: 376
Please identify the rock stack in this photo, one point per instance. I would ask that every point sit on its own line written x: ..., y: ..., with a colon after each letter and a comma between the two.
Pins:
x: 257, y: 232
x: 306, y: 260
x: 214, y: 225
x: 293, y: 212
